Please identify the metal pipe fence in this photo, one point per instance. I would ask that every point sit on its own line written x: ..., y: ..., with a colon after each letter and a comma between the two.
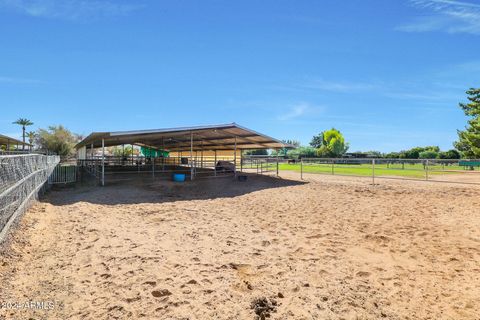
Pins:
x: 466, y: 171
x: 63, y: 174
x: 200, y: 167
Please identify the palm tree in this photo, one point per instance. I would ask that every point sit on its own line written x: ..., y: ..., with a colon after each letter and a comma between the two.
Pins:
x: 31, y: 138
x: 23, y: 122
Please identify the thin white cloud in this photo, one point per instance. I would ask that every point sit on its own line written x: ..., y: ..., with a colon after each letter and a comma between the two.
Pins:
x: 12, y: 80
x: 334, y: 86
x: 69, y: 9
x: 445, y: 15
x: 299, y: 110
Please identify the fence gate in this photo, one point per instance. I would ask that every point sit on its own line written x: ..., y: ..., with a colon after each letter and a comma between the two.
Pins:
x: 63, y: 173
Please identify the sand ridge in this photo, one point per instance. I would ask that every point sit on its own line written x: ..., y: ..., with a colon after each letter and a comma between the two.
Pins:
x: 325, y: 248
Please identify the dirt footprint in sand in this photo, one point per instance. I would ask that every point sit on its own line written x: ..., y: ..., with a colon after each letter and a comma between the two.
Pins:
x: 363, y: 274
x: 161, y: 293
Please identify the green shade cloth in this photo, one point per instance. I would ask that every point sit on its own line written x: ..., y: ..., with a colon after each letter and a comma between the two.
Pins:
x: 469, y: 163
x: 153, y: 153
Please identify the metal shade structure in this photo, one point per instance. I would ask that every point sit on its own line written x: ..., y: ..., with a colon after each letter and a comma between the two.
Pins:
x: 185, y: 139
x: 7, y: 141
x: 211, y: 137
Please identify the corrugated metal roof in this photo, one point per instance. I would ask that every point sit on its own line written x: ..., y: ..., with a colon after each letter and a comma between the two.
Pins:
x: 210, y: 137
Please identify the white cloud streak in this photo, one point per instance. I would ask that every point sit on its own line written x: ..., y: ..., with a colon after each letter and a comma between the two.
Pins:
x: 339, y: 86
x: 11, y: 80
x: 445, y: 15
x: 299, y: 110
x: 74, y: 10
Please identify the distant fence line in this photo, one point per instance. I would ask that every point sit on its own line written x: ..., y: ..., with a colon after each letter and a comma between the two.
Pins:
x: 22, y: 179
x: 466, y: 171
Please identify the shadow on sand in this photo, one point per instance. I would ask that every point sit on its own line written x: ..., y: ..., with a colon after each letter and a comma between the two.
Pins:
x: 135, y: 189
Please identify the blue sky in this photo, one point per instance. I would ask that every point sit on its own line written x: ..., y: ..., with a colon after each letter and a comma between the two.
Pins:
x: 388, y: 74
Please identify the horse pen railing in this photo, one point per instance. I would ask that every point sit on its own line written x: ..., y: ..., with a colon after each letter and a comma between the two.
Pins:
x: 260, y: 165
x: 22, y: 179
x: 114, y: 167
x: 436, y: 170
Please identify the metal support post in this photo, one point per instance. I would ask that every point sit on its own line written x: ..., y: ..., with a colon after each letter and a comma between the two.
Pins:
x: 235, y: 158
x: 241, y: 160
x: 426, y: 169
x: 373, y: 171
x: 163, y: 155
x: 103, y: 162
x: 301, y: 169
x: 215, y: 163
x: 277, y: 162
x: 191, y: 156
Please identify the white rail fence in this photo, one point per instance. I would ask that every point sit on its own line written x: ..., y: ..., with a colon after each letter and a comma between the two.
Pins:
x: 22, y: 179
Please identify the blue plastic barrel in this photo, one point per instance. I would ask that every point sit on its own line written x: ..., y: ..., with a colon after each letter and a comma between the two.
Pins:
x: 179, y: 177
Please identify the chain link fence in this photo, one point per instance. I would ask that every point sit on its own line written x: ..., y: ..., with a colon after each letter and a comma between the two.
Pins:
x: 22, y: 178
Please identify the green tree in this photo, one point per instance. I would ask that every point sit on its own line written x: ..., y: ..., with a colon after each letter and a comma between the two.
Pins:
x: 469, y: 139
x: 302, y: 152
x: 119, y: 151
x: 57, y: 139
x: 333, y: 144
x: 414, y: 153
x: 429, y: 154
x: 317, y: 141
x: 450, y: 154
x: 392, y: 155
x: 256, y: 152
x: 24, y: 123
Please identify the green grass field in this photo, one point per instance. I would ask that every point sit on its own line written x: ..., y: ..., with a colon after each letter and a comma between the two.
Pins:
x: 409, y: 170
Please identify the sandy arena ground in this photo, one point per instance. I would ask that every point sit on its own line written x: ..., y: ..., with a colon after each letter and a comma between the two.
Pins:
x: 326, y: 248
